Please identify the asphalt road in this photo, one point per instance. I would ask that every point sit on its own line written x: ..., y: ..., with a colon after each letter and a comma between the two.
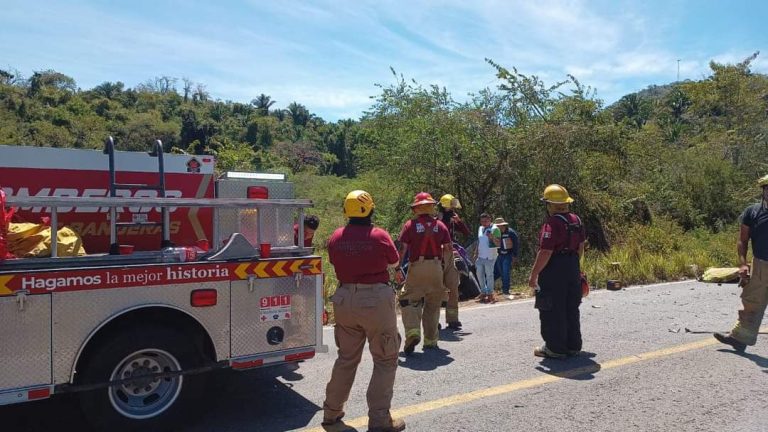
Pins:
x: 650, y: 364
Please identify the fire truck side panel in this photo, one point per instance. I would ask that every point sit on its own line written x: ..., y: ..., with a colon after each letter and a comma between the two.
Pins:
x: 60, y: 172
x: 273, y: 314
x: 25, y: 353
x: 77, y: 317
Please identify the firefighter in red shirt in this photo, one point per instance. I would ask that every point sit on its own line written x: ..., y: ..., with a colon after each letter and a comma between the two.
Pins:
x: 556, y: 276
x: 429, y: 245
x: 364, y: 305
x: 451, y: 278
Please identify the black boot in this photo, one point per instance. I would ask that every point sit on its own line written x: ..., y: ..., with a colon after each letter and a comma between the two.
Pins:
x: 410, y: 344
x: 727, y: 339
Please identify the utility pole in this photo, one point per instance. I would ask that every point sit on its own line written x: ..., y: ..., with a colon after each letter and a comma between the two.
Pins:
x: 678, y: 70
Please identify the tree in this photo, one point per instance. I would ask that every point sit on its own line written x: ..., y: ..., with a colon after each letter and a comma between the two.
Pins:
x: 6, y: 77
x: 188, y: 85
x: 300, y: 156
x: 678, y: 102
x: 261, y: 132
x: 109, y: 90
x: 528, y: 98
x: 51, y: 79
x: 299, y: 114
x: 262, y: 104
x: 634, y: 108
x: 200, y: 94
x: 160, y: 84
x: 279, y: 114
x: 341, y: 140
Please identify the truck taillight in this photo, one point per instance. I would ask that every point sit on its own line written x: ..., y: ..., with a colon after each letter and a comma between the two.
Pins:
x: 204, y: 297
x: 300, y: 356
x: 258, y: 192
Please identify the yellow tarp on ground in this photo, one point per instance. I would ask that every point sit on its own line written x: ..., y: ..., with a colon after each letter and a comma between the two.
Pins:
x: 28, y: 240
x: 728, y: 274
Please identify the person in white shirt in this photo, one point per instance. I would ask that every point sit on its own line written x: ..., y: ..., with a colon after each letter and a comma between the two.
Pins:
x: 487, y: 243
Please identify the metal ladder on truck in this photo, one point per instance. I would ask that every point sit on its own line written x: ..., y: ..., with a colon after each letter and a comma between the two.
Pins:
x: 114, y: 186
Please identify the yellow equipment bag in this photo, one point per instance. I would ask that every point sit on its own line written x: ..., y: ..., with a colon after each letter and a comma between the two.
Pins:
x: 727, y: 274
x: 28, y: 240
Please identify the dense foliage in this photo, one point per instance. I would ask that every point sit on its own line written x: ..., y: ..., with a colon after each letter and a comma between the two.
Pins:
x: 689, y: 155
x: 48, y: 109
x: 666, y: 161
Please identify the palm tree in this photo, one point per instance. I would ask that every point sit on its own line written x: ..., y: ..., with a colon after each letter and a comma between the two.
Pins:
x: 279, y: 114
x: 299, y: 113
x: 633, y: 107
x: 262, y: 104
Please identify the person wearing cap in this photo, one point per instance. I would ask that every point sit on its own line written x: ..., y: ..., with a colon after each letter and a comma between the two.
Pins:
x: 446, y: 213
x: 428, y: 244
x: 488, y: 239
x: 364, y: 306
x: 754, y: 294
x: 556, y: 276
x: 509, y: 246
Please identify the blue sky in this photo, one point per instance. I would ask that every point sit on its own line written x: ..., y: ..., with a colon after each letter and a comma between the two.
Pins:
x: 328, y: 55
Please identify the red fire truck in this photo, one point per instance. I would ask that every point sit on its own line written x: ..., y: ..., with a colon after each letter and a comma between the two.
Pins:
x: 134, y: 324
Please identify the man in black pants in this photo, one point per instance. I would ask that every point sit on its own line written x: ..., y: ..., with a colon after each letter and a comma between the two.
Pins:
x: 556, y: 276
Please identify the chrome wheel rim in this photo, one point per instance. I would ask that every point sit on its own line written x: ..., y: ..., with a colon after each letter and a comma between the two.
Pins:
x: 145, y: 397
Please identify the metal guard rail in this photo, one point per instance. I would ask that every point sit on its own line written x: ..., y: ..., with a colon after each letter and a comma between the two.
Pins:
x: 230, y: 203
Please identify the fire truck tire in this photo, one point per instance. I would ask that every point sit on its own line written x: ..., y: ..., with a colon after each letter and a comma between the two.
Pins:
x: 151, y: 404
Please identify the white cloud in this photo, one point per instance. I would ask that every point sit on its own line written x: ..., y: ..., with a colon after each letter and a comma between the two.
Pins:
x: 328, y: 55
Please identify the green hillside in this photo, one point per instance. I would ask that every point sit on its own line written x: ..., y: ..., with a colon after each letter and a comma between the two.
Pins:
x: 659, y: 177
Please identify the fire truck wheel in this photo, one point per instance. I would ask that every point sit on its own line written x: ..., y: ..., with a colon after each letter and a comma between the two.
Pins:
x: 149, y: 403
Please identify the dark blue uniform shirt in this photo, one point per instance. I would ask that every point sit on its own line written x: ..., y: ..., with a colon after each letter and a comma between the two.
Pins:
x: 756, y: 218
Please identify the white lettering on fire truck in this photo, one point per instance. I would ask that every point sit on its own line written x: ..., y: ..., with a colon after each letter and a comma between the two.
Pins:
x: 93, y: 193
x: 181, y: 273
x: 102, y: 229
x: 52, y: 283
x: 141, y: 278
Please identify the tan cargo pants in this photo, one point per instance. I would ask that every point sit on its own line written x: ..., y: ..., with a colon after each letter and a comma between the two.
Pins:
x: 364, y: 312
x: 451, y: 282
x: 420, y: 300
x: 754, y: 299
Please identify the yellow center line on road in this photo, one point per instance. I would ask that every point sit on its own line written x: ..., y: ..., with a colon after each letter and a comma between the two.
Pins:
x: 530, y: 383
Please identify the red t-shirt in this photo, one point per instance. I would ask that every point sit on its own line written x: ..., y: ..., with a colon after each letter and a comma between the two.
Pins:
x: 424, y: 236
x: 307, y: 241
x: 361, y: 254
x: 554, y: 234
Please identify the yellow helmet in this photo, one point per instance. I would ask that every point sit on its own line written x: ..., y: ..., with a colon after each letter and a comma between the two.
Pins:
x: 556, y: 194
x: 762, y: 181
x: 449, y: 201
x: 358, y: 203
